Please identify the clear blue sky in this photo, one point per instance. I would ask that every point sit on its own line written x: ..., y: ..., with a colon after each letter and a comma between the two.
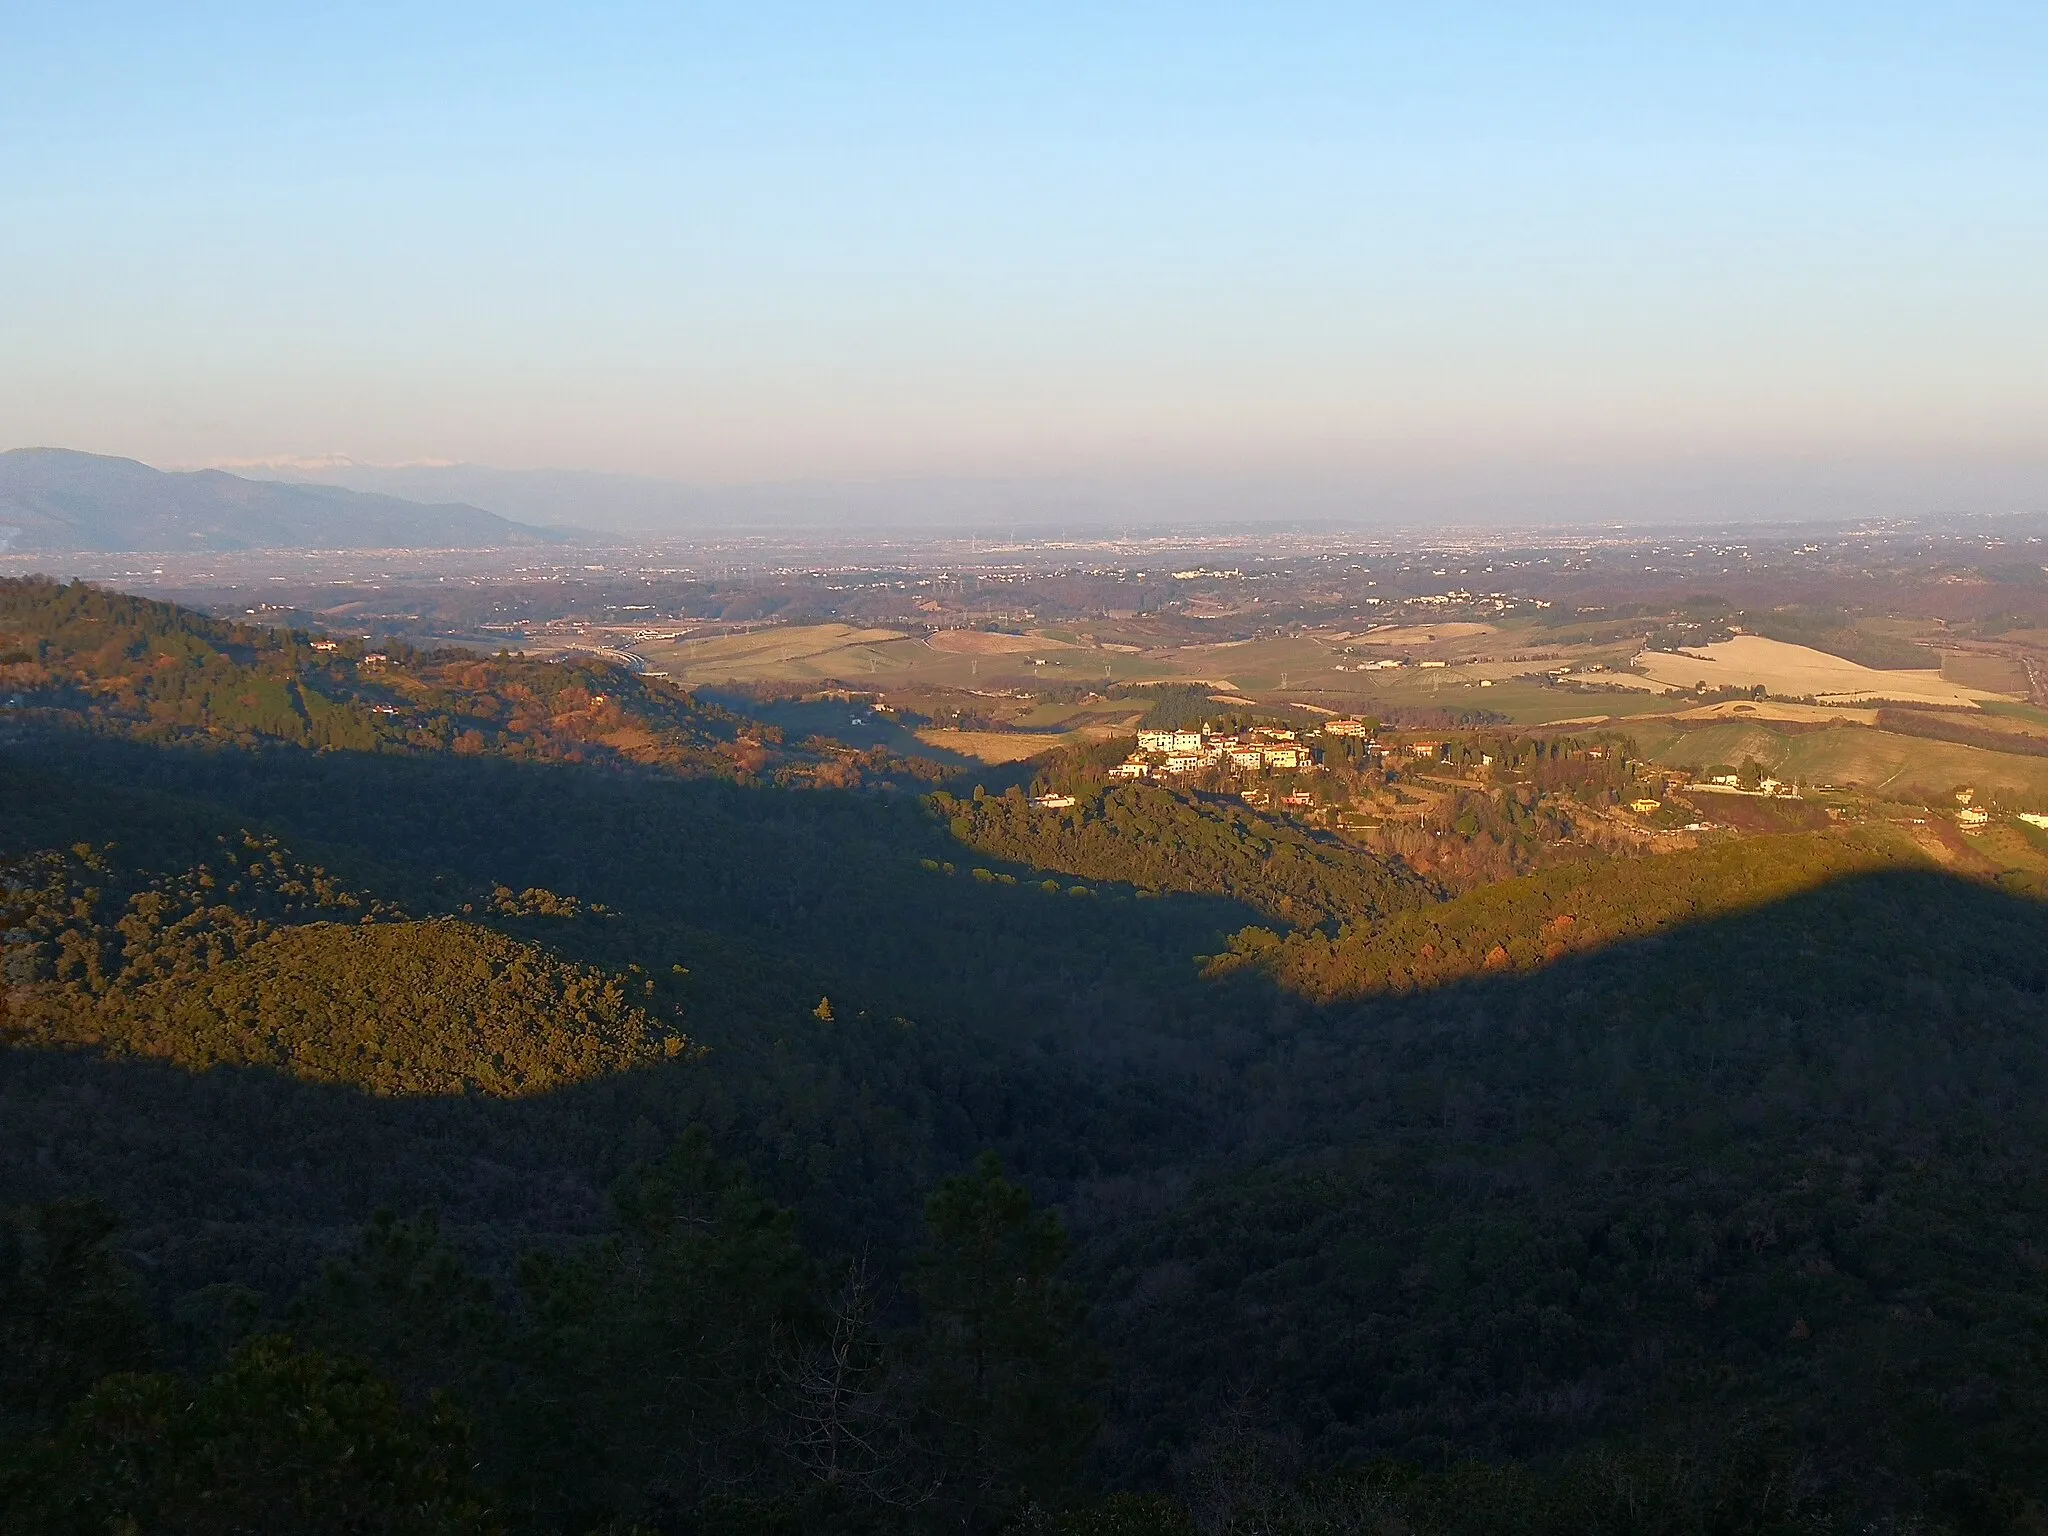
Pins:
x: 758, y: 241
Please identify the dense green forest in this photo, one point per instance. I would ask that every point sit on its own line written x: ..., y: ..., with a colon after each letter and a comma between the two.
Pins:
x: 1163, y: 841
x: 410, y: 1136
x: 1533, y: 922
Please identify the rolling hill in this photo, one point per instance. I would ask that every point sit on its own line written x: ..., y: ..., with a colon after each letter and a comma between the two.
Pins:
x: 1697, y: 1191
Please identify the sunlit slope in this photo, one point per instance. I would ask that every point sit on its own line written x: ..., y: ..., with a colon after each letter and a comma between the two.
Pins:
x: 155, y: 671
x: 205, y: 971
x: 1150, y: 837
x: 1799, y: 671
x: 78, y: 657
x: 1878, y: 761
x: 1524, y: 924
x: 1760, y: 1151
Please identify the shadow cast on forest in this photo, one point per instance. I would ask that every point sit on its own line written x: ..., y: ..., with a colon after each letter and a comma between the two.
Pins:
x: 1252, y: 1176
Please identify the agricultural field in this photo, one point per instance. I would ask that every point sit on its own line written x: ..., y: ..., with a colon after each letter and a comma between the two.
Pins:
x: 1778, y: 709
x: 2027, y: 718
x: 1126, y: 652
x: 811, y: 652
x: 1799, y: 671
x: 963, y: 659
x: 1876, y: 762
x: 997, y: 747
x: 1978, y: 669
x: 976, y: 642
x: 1116, y: 714
x: 1506, y: 690
x: 1036, y: 679
x: 1459, y: 665
x: 1409, y: 636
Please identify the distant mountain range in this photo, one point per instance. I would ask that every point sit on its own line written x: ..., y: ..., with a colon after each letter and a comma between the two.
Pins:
x: 55, y: 501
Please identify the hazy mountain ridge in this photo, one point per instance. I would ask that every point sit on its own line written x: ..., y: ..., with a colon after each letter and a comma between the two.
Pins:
x: 56, y: 500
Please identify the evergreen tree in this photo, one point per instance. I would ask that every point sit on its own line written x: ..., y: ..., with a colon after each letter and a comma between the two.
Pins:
x: 1007, y: 1361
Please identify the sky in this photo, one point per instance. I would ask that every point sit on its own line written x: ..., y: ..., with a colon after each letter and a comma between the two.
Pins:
x: 1259, y: 245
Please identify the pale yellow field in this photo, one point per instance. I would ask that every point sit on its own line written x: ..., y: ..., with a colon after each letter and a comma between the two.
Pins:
x: 1748, y: 660
x: 792, y: 651
x: 1770, y: 709
x: 1422, y: 634
x: 995, y: 746
x: 975, y: 642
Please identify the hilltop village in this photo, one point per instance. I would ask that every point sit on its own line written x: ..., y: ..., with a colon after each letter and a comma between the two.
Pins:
x: 1261, y: 747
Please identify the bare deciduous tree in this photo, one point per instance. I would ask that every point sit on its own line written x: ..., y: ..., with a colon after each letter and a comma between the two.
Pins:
x: 845, y: 1420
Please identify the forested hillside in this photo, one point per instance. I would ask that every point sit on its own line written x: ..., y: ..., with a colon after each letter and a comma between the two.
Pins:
x: 1689, y: 1177
x: 188, y: 973
x: 1162, y: 841
x: 547, y: 1137
x: 151, y: 671
x: 1535, y: 921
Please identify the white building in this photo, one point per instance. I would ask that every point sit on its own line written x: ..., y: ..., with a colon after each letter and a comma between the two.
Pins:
x: 1169, y: 741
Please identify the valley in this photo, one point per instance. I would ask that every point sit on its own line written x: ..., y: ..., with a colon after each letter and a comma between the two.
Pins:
x: 1486, y: 1087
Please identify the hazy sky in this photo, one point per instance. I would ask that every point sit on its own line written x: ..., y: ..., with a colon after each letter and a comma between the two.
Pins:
x: 762, y: 241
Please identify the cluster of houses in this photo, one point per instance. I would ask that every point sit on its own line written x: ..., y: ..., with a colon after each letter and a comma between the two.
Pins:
x: 1261, y: 749
x: 1974, y: 818
x: 1731, y: 784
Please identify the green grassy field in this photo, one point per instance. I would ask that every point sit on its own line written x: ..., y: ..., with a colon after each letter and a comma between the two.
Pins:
x: 816, y: 653
x: 1877, y: 762
x: 2025, y: 714
x: 1518, y: 700
x: 1284, y: 669
x: 2000, y: 674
